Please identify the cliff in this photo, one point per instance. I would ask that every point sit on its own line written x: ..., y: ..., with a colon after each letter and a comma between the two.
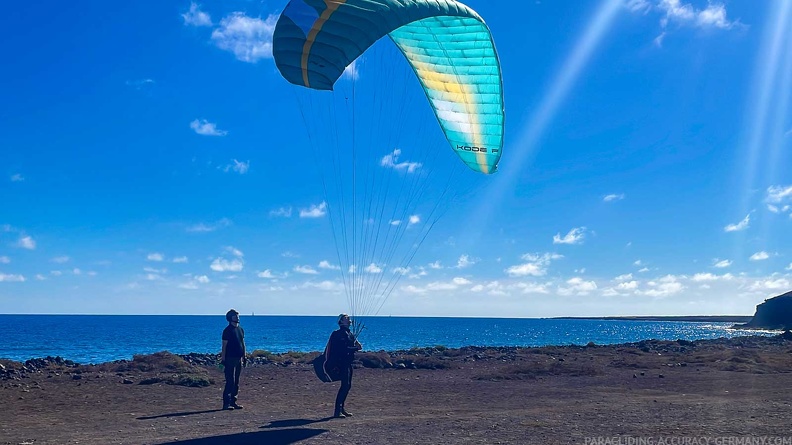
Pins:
x: 774, y: 313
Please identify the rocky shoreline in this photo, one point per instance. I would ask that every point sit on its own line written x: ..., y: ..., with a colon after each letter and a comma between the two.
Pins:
x: 416, y: 358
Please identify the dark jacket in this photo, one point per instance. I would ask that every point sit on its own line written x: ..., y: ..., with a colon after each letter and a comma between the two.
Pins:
x: 341, y: 347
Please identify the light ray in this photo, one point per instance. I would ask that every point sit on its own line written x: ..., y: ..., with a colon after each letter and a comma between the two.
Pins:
x: 526, y: 144
x: 767, y: 111
x: 766, y: 74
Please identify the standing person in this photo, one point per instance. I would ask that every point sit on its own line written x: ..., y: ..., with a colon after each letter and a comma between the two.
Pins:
x: 340, y: 353
x: 232, y: 357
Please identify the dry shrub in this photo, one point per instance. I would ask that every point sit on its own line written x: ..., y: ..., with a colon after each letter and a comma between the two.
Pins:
x: 159, y: 361
x: 375, y: 360
x: 422, y: 362
x: 531, y: 371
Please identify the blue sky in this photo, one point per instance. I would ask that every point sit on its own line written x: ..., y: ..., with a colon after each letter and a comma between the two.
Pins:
x: 154, y: 161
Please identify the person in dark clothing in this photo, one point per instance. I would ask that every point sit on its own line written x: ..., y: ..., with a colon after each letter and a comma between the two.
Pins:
x: 232, y: 357
x: 340, y: 353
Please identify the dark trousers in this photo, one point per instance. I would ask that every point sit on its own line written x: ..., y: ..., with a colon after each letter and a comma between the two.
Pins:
x: 343, y: 391
x: 233, y: 368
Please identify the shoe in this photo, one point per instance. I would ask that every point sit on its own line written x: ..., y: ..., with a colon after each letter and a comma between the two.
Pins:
x: 235, y: 406
x: 228, y: 408
x: 346, y: 413
x: 339, y: 415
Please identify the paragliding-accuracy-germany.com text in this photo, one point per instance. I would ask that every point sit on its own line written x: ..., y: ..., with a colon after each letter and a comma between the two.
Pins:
x: 689, y: 440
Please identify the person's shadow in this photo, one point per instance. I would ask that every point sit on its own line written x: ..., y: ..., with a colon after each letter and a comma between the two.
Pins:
x: 294, y: 422
x: 272, y: 437
x: 180, y: 414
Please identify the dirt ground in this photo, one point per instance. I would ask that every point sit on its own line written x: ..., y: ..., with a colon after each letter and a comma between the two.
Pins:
x: 651, y: 392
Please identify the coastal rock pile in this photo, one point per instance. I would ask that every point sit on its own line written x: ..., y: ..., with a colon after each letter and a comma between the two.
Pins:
x: 16, y: 370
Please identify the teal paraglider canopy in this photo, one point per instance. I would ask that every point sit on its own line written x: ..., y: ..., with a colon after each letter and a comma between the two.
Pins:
x: 447, y: 44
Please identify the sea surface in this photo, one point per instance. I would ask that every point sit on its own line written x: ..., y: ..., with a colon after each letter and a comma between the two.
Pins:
x: 104, y: 338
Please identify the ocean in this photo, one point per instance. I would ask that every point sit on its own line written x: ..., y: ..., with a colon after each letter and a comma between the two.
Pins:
x: 103, y: 338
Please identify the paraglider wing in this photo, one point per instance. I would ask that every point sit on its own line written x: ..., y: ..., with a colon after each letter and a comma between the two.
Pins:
x: 448, y: 45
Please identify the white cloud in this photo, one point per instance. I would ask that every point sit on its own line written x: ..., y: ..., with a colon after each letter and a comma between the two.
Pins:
x: 577, y: 286
x: 392, y: 160
x: 26, y: 242
x: 461, y: 281
x: 271, y: 275
x: 60, y: 259
x: 189, y: 285
x: 153, y: 270
x: 465, y: 261
x: 759, y: 256
x: 533, y: 288
x: 315, y: 211
x: 305, y: 270
x: 645, y: 269
x: 714, y: 15
x: 789, y: 267
x: 155, y: 257
x: 658, y: 41
x: 628, y: 285
x: 211, y: 227
x: 288, y: 254
x: 435, y: 265
x: 234, y: 251
x: 326, y: 285
x: 373, y: 268
x: 196, y: 17
x: 140, y: 84
x: 17, y: 178
x: 236, y: 166
x: 776, y: 209
x: 11, y: 278
x: 575, y: 236
x: 285, y: 212
x: 224, y: 265
x: 664, y: 287
x: 56, y: 273
x: 324, y: 264
x: 704, y: 277
x: 613, y: 197
x: 414, y: 219
x: 723, y: 263
x: 401, y: 270
x: 202, y: 279
x: 206, y: 128
x: 536, y: 265
x: 742, y: 225
x: 248, y: 38
x: 768, y: 284
x: 4, y: 260
x: 779, y: 194
x: 76, y: 271
x: 638, y: 5
x: 40, y: 277
x: 181, y: 259
x: 625, y: 277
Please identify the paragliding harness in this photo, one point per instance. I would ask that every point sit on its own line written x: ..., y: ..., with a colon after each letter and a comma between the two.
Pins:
x: 328, y: 370
x: 325, y: 370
